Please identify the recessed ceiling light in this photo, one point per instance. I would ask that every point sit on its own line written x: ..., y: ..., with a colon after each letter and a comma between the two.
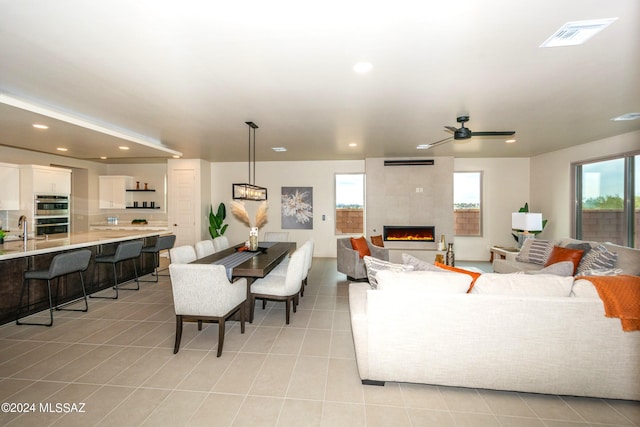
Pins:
x: 279, y: 149
x: 423, y: 146
x: 625, y: 117
x: 175, y: 157
x: 39, y: 126
x: 510, y: 141
x: 62, y: 149
x: 103, y: 158
x: 122, y: 147
x: 363, y: 67
x: 577, y: 32
x: 353, y: 144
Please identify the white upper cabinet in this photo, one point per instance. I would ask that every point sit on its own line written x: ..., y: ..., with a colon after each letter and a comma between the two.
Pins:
x: 10, y: 179
x: 45, y: 180
x: 113, y: 191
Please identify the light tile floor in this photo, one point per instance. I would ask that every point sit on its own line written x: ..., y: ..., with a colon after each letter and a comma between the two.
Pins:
x: 116, y: 364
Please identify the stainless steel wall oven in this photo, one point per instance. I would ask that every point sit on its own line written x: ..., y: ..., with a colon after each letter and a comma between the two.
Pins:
x: 51, y: 214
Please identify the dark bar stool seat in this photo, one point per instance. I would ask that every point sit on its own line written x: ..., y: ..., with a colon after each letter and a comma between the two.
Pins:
x: 125, y: 251
x: 162, y: 243
x: 61, y: 265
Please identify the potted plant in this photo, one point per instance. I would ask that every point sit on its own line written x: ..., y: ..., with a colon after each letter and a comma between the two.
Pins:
x: 216, y: 220
x: 2, y: 234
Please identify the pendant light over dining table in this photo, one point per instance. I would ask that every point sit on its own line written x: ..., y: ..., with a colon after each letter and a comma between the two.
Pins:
x: 250, y: 191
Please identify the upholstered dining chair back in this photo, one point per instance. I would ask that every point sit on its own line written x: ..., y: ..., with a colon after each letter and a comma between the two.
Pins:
x: 203, y: 293
x: 204, y: 248
x: 221, y: 243
x: 182, y: 255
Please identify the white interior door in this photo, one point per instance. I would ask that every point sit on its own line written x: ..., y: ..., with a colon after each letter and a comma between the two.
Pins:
x: 183, y: 206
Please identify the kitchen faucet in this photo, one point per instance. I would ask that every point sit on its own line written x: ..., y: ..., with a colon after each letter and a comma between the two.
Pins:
x: 22, y: 222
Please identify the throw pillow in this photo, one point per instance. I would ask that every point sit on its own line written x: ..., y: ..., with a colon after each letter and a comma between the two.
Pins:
x: 377, y: 240
x: 535, y: 251
x: 584, y: 289
x: 473, y: 274
x: 541, y: 285
x: 360, y: 245
x: 598, y: 258
x: 418, y: 264
x: 375, y: 265
x: 432, y: 282
x: 586, y: 247
x: 562, y: 268
x: 559, y: 254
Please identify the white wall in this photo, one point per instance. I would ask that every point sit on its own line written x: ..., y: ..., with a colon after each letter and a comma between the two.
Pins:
x: 551, y: 190
x: 273, y: 176
x: 505, y: 188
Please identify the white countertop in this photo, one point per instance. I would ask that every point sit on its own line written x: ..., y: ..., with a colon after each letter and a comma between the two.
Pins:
x: 16, y: 248
x: 122, y: 225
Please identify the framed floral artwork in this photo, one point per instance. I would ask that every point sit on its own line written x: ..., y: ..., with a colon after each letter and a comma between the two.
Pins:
x: 297, y: 208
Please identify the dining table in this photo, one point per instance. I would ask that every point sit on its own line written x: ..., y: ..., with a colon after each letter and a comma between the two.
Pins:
x: 240, y: 262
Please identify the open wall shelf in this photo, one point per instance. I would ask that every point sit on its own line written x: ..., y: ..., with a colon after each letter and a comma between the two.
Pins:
x: 141, y: 190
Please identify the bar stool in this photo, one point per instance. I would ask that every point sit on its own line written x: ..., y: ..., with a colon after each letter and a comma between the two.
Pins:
x: 163, y: 243
x: 61, y: 265
x: 125, y: 251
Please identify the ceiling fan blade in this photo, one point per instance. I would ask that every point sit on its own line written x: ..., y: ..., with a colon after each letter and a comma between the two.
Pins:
x: 450, y: 129
x: 435, y: 144
x: 494, y: 133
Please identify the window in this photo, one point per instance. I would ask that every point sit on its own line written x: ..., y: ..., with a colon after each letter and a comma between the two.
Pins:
x: 350, y: 203
x: 607, y: 200
x: 467, y: 203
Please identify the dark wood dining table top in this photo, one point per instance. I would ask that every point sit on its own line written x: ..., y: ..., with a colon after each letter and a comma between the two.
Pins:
x: 258, y: 266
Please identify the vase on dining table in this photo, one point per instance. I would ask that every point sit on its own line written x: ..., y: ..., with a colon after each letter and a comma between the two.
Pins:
x: 253, y: 239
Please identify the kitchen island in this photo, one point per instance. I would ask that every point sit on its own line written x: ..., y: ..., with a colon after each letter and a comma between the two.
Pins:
x: 16, y: 258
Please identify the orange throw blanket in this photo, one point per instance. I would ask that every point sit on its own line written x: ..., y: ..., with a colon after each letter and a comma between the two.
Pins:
x: 621, y: 298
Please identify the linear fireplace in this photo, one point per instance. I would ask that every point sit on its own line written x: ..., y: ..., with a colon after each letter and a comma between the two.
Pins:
x: 409, y: 233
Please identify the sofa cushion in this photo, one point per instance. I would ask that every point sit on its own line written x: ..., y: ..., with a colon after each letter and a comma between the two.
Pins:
x: 377, y: 240
x: 539, y: 285
x: 471, y: 274
x: 535, y: 251
x: 558, y: 254
x: 360, y: 245
x: 375, y: 266
x: 598, y: 258
x: 418, y: 264
x: 562, y: 268
x: 424, y: 281
x: 628, y: 259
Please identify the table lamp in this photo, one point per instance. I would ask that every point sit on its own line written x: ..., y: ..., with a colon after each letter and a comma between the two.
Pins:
x: 524, y: 223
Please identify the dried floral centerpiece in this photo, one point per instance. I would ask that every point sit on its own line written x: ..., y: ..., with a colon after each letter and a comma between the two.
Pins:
x: 240, y: 211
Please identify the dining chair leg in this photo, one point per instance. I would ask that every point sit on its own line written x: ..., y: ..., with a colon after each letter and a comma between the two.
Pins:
x: 176, y: 347
x: 287, y: 304
x: 242, y: 316
x: 220, y: 335
x: 199, y: 325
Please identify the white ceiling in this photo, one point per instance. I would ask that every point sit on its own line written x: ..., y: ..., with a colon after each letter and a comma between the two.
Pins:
x: 189, y: 73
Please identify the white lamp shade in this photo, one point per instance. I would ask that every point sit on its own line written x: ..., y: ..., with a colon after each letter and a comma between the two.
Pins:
x: 526, y: 221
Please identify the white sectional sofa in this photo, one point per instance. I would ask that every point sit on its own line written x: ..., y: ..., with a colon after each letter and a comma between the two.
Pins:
x: 512, y: 332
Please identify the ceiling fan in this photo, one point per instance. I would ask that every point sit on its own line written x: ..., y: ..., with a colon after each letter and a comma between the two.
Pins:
x: 465, y: 133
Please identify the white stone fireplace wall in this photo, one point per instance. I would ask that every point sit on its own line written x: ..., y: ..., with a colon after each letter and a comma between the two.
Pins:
x: 410, y: 195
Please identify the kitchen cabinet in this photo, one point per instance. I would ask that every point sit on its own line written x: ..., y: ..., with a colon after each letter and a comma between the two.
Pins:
x: 10, y: 179
x: 113, y: 191
x: 45, y: 180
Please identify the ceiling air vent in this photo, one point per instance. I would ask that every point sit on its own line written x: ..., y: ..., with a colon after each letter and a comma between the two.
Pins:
x: 577, y: 32
x: 428, y: 162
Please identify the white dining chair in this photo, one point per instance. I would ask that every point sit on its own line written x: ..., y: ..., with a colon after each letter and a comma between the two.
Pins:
x: 280, y: 288
x: 276, y: 236
x: 203, y: 293
x: 221, y: 243
x: 204, y: 248
x: 182, y: 254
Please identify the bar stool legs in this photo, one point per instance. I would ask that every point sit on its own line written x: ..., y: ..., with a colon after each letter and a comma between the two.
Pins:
x: 61, y: 265
x: 129, y: 250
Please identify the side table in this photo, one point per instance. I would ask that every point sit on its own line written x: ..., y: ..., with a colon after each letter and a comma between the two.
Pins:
x: 501, y: 252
